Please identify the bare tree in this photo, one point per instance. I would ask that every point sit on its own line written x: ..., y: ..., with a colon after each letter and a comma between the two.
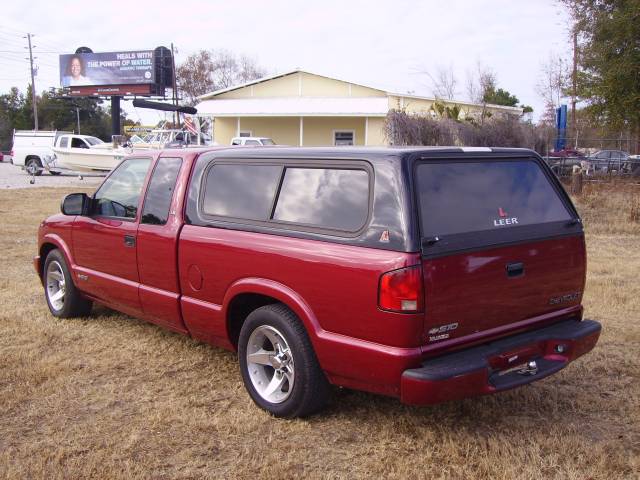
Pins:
x: 472, y: 87
x: 443, y: 82
x: 225, y: 69
x: 194, y: 76
x: 552, y: 83
x: 479, y: 83
x: 209, y: 70
x: 249, y: 69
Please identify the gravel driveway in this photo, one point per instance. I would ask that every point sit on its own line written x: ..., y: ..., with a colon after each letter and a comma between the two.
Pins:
x: 12, y: 176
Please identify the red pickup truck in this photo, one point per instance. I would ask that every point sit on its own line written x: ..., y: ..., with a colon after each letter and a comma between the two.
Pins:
x: 428, y: 274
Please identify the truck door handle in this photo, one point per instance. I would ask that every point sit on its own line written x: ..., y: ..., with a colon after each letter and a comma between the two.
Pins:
x: 129, y: 241
x: 515, y: 269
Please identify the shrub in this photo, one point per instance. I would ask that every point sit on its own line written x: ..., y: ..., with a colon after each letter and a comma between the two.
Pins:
x: 402, y: 128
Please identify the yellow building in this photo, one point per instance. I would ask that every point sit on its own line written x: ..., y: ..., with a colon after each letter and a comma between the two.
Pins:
x: 302, y: 108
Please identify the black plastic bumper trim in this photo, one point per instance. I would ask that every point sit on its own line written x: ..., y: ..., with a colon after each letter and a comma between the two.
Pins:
x: 477, y: 358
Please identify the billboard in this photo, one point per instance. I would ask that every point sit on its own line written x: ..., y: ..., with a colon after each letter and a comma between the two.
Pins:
x: 110, y: 90
x: 107, y: 68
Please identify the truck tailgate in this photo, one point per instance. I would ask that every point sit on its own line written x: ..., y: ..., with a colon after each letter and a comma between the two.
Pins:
x: 468, y: 293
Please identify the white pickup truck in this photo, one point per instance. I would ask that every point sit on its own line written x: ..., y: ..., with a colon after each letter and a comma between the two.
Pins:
x: 32, y: 150
x: 57, y: 151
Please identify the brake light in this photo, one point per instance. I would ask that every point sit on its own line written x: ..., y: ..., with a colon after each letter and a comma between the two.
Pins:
x: 401, y: 290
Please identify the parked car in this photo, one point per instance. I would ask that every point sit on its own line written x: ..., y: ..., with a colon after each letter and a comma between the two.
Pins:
x: 609, y: 160
x: 632, y: 166
x: 426, y: 274
x: 563, y: 161
x: 257, y: 141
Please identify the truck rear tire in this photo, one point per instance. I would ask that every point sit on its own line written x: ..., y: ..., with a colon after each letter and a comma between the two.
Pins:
x: 278, y: 365
x: 63, y: 299
x: 34, y: 167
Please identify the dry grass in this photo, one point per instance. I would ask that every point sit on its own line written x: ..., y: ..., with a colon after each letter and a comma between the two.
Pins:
x: 113, y: 397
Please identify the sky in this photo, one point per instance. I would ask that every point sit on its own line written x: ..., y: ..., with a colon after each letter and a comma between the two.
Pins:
x: 385, y: 44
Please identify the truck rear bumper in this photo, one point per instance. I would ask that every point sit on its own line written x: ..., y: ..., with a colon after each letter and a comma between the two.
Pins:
x: 500, y: 365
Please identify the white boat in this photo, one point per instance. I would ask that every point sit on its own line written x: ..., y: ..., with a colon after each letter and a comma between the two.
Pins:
x: 157, y: 138
x: 162, y: 138
x: 85, y: 153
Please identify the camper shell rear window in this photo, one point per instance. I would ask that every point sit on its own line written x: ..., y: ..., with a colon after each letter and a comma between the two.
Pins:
x: 471, y: 203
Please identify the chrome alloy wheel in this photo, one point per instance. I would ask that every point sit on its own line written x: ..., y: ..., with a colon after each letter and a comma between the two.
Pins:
x: 270, y: 364
x: 55, y: 285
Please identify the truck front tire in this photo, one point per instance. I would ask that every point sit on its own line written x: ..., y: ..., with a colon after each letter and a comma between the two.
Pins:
x: 278, y: 365
x: 63, y: 299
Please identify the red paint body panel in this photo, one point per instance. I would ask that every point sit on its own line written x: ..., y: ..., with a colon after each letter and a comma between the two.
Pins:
x: 474, y: 291
x: 206, y: 322
x: 161, y: 307
x: 157, y: 257
x: 338, y: 282
x: 110, y: 266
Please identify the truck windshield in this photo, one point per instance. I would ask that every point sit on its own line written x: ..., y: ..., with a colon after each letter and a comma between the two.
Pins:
x: 466, y: 197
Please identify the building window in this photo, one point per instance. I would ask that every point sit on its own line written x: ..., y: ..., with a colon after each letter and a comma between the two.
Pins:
x: 245, y: 133
x: 343, y: 137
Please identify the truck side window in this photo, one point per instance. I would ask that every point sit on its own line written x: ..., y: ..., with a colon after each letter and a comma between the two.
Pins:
x: 324, y: 197
x: 160, y: 191
x: 64, y: 142
x: 241, y: 191
x: 119, y: 195
x: 78, y: 143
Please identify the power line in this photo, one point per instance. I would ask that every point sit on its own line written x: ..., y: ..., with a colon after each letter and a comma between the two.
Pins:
x: 20, y: 32
x: 50, y: 41
x: 11, y: 43
x: 14, y: 59
x: 11, y: 38
x: 22, y: 52
x: 12, y: 34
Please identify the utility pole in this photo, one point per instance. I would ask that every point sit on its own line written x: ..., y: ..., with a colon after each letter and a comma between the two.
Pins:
x: 33, y: 84
x: 78, y: 117
x: 175, y: 90
x: 574, y: 92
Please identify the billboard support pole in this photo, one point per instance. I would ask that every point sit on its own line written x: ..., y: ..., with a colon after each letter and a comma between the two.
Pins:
x: 115, y: 115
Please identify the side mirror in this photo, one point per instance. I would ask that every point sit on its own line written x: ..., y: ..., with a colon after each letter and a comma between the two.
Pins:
x: 76, y: 204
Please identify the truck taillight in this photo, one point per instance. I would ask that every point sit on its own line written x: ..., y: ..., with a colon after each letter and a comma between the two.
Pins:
x: 401, y: 290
